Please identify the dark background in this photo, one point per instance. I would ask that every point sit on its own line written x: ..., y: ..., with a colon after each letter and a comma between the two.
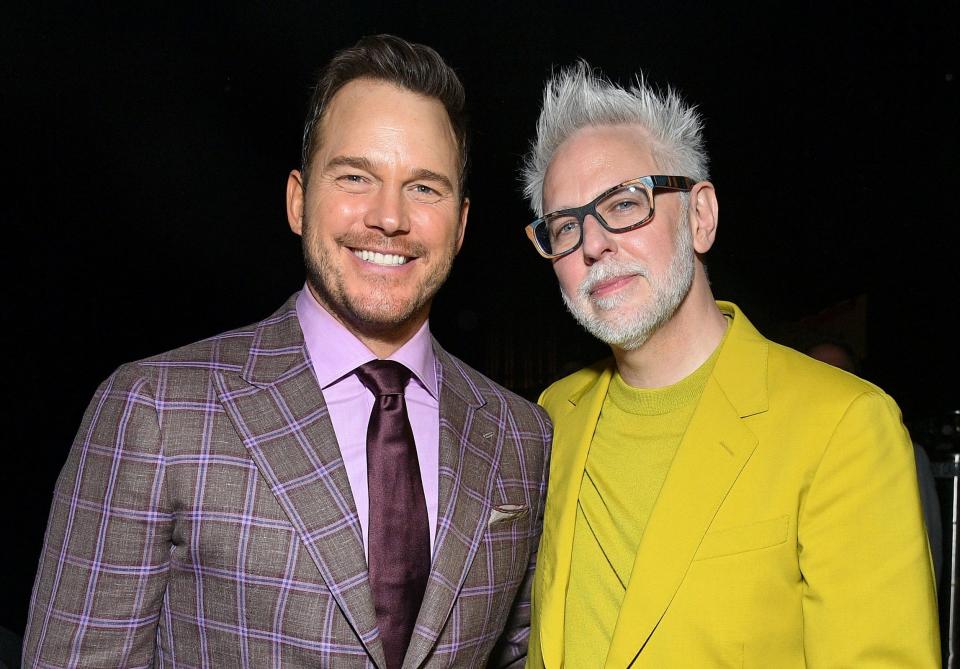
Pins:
x: 145, y: 152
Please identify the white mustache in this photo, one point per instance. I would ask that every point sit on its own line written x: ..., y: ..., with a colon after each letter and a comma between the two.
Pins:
x: 611, y: 269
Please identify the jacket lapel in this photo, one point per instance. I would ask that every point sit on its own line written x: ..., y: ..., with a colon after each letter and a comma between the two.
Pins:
x: 470, y: 445
x: 713, y: 452
x: 279, y: 412
x: 708, y: 461
x: 573, y: 432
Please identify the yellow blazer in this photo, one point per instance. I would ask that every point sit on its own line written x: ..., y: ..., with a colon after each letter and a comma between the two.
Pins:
x: 788, y: 532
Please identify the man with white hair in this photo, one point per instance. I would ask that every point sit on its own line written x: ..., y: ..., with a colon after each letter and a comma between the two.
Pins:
x: 716, y: 499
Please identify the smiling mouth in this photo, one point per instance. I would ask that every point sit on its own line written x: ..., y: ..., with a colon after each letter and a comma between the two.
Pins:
x: 377, y: 258
x: 610, y: 285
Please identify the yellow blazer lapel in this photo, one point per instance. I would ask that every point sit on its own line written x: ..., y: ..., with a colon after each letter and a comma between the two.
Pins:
x: 574, y: 432
x: 714, y: 450
x: 708, y: 461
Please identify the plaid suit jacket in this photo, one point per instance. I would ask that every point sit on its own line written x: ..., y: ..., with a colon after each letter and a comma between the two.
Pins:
x: 204, y: 519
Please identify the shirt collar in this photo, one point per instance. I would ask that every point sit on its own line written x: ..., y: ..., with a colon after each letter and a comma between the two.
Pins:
x: 335, y: 351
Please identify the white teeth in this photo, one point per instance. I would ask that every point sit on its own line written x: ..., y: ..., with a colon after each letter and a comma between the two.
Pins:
x: 380, y: 258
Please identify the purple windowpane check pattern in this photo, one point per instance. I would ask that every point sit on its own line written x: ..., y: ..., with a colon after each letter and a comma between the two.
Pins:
x: 204, y: 519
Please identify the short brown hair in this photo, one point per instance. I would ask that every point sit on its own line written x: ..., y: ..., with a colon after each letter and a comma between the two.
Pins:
x: 415, y: 67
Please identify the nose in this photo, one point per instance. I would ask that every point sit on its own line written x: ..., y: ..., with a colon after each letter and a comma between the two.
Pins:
x: 388, y: 212
x: 597, y: 241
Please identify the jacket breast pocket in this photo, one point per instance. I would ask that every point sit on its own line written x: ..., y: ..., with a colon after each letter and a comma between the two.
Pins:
x: 504, y: 553
x: 744, y: 538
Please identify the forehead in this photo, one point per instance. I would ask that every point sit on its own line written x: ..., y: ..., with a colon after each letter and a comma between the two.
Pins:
x: 593, y: 159
x: 386, y: 123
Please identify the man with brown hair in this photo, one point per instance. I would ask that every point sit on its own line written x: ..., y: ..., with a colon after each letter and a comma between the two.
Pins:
x: 327, y: 487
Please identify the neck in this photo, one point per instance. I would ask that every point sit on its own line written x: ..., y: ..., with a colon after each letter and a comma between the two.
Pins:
x: 383, y: 339
x: 679, y: 346
x: 383, y: 345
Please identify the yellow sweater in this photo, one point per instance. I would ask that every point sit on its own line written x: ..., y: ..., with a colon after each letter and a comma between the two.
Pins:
x: 635, y: 441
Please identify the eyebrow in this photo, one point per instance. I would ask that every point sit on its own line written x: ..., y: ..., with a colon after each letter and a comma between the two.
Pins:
x: 361, y: 163
x: 350, y: 161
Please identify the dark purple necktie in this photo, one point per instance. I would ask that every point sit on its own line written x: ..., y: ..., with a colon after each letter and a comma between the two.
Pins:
x: 398, y: 534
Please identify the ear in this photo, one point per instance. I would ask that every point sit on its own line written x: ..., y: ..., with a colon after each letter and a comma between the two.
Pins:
x: 464, y: 210
x: 295, y: 196
x: 703, y: 214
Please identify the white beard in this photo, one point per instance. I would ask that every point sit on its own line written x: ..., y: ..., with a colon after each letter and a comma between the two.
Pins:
x: 613, y: 320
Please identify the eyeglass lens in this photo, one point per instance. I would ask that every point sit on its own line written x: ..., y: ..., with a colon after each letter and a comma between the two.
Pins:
x: 622, y: 208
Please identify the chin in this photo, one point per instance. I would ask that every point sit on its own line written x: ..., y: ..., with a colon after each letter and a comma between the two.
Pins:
x: 382, y: 312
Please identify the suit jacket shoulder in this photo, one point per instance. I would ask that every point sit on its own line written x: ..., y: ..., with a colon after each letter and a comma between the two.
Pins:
x: 485, y: 390
x: 256, y: 349
x: 820, y: 382
x: 572, y: 385
x: 227, y: 351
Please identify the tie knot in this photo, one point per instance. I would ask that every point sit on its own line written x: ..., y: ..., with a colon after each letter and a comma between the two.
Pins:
x: 383, y: 377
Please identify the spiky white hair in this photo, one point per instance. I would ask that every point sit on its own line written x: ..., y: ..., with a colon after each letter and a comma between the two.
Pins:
x: 578, y: 97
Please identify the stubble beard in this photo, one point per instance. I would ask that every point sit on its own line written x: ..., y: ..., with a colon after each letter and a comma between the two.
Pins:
x: 376, y: 309
x: 613, y: 320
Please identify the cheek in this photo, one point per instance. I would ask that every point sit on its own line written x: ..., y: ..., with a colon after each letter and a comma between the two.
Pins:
x: 438, y: 231
x: 334, y: 215
x: 568, y: 274
x: 654, y: 250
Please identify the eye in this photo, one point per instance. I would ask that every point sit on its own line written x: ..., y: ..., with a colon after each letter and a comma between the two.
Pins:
x: 624, y: 205
x: 421, y: 192
x: 352, y: 182
x: 563, y: 226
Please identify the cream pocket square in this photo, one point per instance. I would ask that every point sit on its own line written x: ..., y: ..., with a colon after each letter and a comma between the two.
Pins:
x: 505, y: 512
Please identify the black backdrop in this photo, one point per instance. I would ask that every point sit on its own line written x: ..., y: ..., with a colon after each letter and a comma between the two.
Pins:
x: 146, y: 150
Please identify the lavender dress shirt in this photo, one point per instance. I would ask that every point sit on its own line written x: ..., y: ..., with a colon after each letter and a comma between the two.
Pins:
x: 335, y: 353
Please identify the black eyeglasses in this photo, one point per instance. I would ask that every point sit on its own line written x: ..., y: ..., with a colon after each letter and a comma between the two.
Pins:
x: 624, y: 207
